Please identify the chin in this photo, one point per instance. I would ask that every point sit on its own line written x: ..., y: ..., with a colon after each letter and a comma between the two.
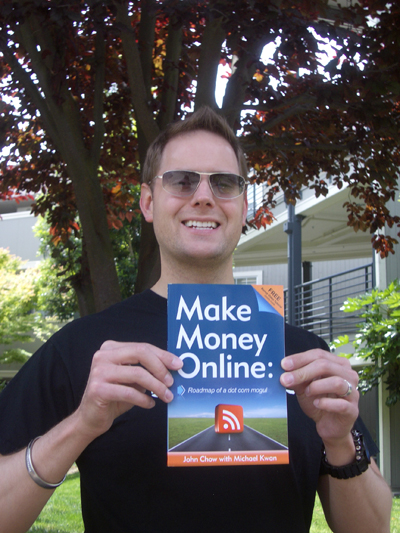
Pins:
x: 209, y: 260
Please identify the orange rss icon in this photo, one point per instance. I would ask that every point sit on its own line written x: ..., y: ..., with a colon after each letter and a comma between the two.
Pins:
x: 228, y: 418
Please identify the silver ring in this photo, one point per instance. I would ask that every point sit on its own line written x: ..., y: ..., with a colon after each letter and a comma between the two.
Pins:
x: 349, y: 390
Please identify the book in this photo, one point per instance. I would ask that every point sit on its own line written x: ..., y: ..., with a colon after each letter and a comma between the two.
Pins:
x: 229, y: 407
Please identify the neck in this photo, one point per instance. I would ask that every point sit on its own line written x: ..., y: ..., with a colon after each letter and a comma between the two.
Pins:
x: 194, y: 274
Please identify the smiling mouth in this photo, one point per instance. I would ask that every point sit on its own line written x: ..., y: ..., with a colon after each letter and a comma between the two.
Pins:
x: 200, y: 225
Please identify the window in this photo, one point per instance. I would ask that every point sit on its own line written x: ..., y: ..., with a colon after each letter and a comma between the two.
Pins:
x: 248, y: 277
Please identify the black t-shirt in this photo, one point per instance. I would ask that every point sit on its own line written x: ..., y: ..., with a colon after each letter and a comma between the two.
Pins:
x: 125, y: 483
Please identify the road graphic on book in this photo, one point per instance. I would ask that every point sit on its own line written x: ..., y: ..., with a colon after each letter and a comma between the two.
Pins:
x: 209, y: 440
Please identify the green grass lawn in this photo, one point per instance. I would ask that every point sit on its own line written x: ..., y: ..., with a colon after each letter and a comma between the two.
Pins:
x: 62, y: 512
x: 319, y: 524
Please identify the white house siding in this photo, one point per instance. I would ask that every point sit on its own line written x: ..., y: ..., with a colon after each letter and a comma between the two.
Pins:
x: 278, y: 274
x: 16, y: 234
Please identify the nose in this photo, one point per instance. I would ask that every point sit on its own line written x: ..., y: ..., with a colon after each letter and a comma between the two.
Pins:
x: 203, y: 194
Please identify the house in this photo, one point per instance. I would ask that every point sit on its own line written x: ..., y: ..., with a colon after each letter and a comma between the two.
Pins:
x: 332, y: 262
x: 16, y: 230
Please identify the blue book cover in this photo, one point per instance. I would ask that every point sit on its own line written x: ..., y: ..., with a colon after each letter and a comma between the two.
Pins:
x: 229, y: 407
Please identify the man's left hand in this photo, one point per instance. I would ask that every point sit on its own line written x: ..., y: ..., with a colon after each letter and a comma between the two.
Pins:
x: 322, y: 381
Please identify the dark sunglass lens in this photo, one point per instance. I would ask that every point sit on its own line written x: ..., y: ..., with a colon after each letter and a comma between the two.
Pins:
x: 180, y: 182
x: 226, y: 185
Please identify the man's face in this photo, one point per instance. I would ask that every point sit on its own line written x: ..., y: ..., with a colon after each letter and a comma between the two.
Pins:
x: 200, y: 229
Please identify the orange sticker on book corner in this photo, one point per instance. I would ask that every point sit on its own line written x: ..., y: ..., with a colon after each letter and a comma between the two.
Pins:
x: 273, y: 294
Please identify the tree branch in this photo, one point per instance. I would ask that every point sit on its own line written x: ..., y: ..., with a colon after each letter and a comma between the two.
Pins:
x: 210, y: 56
x: 143, y: 112
x: 61, y: 119
x: 98, y: 110
x: 271, y: 142
x: 146, y: 41
x: 32, y: 89
x: 173, y: 47
x: 298, y: 105
x: 240, y: 80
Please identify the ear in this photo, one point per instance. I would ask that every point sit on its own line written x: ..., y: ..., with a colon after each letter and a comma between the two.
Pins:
x: 146, y: 202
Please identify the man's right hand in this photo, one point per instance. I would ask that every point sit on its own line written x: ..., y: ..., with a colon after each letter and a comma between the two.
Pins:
x: 120, y: 375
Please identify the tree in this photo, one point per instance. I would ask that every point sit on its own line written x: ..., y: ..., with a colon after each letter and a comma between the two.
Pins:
x: 97, y: 81
x: 48, y: 50
x: 62, y: 282
x: 20, y: 319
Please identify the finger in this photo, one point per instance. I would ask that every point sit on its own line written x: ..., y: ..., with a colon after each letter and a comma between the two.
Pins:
x: 156, y: 361
x: 135, y: 377
x: 318, y: 368
x: 338, y: 406
x: 111, y: 392
x: 335, y: 385
x: 133, y: 350
x: 293, y: 362
x: 139, y: 388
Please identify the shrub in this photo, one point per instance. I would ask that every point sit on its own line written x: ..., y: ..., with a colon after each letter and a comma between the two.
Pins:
x: 378, y: 338
x: 20, y: 320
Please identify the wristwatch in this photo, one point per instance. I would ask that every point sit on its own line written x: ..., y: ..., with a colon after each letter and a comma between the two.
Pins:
x: 360, y: 464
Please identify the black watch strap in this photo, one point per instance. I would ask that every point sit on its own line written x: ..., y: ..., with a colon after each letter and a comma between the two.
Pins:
x: 354, y: 469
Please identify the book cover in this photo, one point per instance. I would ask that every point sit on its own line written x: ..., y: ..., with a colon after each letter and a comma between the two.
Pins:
x: 229, y: 407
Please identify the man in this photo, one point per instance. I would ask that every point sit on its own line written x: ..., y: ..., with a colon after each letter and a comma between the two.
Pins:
x: 87, y: 390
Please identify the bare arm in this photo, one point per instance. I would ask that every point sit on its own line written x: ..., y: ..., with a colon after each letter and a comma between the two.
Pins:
x: 320, y: 379
x: 359, y: 504
x: 120, y: 375
x: 21, y: 499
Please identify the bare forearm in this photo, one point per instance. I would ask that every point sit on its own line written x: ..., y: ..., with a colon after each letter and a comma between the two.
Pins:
x: 21, y: 499
x: 357, y: 505
x: 120, y: 375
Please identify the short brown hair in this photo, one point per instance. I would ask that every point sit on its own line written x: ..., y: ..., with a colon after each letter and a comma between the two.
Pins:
x: 204, y: 119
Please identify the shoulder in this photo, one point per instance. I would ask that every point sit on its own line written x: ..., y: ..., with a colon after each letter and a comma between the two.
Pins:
x: 140, y: 318
x: 122, y: 322
x: 300, y: 340
x: 147, y: 302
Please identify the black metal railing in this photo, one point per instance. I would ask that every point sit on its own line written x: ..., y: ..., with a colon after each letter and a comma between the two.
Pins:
x: 318, y: 302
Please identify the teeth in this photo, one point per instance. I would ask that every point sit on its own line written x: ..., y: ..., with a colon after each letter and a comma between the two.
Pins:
x: 197, y: 224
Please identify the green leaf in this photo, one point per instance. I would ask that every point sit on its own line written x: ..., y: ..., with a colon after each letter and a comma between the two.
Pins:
x: 378, y: 338
x: 340, y: 341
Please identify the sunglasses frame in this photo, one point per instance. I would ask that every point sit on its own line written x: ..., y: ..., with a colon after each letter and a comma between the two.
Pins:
x: 209, y: 174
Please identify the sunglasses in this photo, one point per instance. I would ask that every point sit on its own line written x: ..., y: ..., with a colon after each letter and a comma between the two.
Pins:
x: 224, y: 185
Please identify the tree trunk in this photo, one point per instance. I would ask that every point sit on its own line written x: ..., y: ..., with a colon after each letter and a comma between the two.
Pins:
x: 210, y: 56
x: 149, y: 266
x: 62, y: 119
x: 82, y: 285
x: 93, y: 217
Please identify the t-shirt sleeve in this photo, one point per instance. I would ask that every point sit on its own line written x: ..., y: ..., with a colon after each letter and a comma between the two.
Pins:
x: 35, y: 400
